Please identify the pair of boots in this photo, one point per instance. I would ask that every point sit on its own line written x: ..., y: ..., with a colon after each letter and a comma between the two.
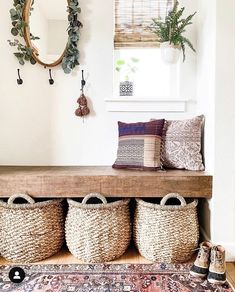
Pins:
x: 210, y: 262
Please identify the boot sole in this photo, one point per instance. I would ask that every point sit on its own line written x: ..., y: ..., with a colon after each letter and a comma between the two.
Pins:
x: 197, y: 275
x: 213, y: 281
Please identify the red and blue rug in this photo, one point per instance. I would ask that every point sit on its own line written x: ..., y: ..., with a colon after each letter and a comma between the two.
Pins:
x: 108, y: 278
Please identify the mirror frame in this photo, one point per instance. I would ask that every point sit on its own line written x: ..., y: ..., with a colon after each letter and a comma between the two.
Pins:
x: 26, y: 18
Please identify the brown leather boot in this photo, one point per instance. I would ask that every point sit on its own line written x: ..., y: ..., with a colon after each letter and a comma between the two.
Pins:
x: 217, y: 269
x: 200, y: 267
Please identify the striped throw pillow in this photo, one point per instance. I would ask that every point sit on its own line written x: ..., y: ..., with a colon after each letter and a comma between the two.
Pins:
x: 139, y: 145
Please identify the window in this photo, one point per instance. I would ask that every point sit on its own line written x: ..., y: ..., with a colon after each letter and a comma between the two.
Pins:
x: 153, y: 78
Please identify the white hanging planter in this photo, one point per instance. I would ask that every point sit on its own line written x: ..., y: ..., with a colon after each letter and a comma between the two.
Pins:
x: 170, y: 53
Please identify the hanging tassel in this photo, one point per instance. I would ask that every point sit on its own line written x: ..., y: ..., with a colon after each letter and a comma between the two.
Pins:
x: 83, y: 109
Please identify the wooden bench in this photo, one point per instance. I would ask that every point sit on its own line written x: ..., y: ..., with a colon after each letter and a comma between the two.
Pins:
x: 73, y: 181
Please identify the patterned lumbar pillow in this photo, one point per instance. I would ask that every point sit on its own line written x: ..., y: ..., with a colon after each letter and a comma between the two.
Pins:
x: 182, y: 144
x: 139, y: 145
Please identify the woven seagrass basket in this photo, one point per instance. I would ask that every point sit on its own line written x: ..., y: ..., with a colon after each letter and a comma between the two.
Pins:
x: 98, y: 232
x: 31, y: 231
x: 166, y: 233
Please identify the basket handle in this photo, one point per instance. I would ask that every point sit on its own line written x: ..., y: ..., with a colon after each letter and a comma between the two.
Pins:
x: 173, y: 195
x: 94, y: 195
x: 29, y: 199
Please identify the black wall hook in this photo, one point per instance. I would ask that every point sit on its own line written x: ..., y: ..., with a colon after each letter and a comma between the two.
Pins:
x: 83, y: 82
x: 51, y: 81
x: 19, y: 80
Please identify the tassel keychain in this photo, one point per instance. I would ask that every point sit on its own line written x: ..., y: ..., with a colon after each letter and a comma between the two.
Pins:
x: 83, y: 109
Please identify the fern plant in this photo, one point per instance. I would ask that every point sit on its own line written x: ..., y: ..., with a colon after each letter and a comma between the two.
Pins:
x: 173, y: 27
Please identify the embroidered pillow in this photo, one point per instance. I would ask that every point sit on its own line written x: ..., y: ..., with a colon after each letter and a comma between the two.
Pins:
x: 139, y: 145
x: 182, y: 144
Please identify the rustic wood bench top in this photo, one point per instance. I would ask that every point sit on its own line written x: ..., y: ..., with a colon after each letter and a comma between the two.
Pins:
x: 76, y: 181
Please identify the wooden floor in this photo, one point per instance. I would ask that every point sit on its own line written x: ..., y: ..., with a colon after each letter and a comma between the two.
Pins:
x: 131, y: 256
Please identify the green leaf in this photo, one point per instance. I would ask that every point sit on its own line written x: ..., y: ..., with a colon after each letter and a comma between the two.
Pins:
x: 14, y: 31
x: 19, y: 24
x: 19, y: 55
x: 13, y: 12
x: 120, y: 62
x: 34, y: 38
x: 14, y: 18
x: 27, y: 57
x: 187, y: 41
x: 21, y: 61
x: 67, y: 70
x: 32, y: 61
x: 18, y: 7
x: 135, y: 60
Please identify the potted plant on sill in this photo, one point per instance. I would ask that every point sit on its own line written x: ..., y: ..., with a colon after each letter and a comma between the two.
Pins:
x: 128, y: 68
x: 170, y: 34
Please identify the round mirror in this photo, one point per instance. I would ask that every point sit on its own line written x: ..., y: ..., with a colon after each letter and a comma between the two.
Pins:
x: 46, y: 32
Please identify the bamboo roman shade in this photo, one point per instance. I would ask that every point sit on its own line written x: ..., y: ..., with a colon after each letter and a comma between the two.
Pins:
x: 132, y: 17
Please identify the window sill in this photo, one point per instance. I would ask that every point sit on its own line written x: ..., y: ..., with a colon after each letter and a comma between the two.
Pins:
x: 134, y: 104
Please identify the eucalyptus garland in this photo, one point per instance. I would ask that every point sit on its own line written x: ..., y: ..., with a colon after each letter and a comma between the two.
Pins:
x: 25, y: 53
x: 18, y: 25
x: 17, y: 18
x: 71, y: 57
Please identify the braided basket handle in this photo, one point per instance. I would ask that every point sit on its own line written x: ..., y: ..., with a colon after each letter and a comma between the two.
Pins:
x: 94, y: 195
x: 29, y: 199
x: 173, y: 195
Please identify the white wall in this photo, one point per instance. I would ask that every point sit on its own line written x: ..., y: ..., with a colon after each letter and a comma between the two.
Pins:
x: 206, y: 57
x: 188, y: 86
x: 206, y: 43
x: 223, y: 215
x: 37, y: 121
x: 216, y: 87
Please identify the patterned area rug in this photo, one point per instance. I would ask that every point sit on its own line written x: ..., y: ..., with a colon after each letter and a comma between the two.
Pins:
x: 108, y: 278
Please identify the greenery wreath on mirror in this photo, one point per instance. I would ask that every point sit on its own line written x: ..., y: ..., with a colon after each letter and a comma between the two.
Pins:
x: 25, y: 54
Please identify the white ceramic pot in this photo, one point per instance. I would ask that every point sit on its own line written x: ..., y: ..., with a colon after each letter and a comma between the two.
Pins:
x: 170, y: 53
